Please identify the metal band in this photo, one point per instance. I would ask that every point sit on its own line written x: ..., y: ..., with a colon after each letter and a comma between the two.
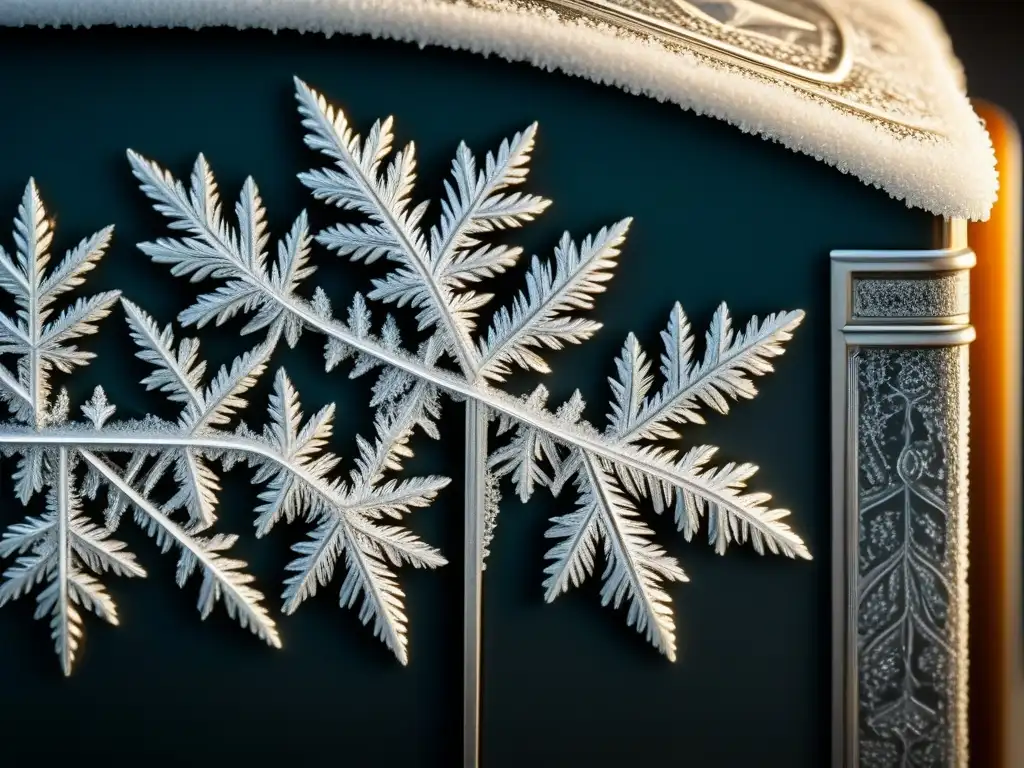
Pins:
x: 899, y: 431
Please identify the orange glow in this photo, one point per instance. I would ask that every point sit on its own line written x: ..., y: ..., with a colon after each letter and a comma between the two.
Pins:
x: 996, y: 638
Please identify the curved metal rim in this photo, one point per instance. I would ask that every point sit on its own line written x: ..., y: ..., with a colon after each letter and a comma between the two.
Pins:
x: 646, y: 23
x: 811, y: 83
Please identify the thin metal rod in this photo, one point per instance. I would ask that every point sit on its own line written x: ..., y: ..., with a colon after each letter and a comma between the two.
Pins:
x: 476, y: 456
x: 64, y: 560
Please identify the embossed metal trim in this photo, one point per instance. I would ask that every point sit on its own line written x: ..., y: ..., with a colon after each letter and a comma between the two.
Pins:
x: 942, y: 295
x: 899, y: 432
x: 845, y: 57
x: 802, y: 38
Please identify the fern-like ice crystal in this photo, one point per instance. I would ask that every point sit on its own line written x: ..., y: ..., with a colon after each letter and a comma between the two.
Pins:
x: 64, y: 552
x: 439, y: 273
x: 356, y: 521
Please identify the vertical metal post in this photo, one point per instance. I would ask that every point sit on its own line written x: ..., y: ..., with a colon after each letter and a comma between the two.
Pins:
x: 476, y: 456
x: 901, y: 326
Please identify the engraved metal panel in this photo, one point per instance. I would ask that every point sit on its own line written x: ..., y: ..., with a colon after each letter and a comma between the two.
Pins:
x: 937, y: 296
x: 800, y: 37
x: 900, y: 427
x: 854, y: 58
x: 911, y: 436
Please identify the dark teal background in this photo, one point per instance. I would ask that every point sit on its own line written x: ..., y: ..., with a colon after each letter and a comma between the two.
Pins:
x: 718, y: 216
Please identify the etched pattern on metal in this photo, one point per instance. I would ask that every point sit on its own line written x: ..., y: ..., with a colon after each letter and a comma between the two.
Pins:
x: 912, y: 556
x: 930, y: 295
x: 851, y: 57
x: 796, y: 33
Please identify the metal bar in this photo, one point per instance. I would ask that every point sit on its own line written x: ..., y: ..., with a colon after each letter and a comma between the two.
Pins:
x: 899, y: 472
x: 476, y: 456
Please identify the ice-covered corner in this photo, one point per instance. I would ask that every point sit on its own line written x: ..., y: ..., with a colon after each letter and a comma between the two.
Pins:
x: 870, y: 87
x: 872, y: 393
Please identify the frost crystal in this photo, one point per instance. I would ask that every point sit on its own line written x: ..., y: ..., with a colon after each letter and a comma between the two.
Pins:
x: 62, y: 550
x: 437, y: 274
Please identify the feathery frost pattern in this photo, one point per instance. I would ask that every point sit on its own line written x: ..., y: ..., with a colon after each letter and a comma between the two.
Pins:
x: 356, y: 523
x: 63, y: 552
x: 439, y: 273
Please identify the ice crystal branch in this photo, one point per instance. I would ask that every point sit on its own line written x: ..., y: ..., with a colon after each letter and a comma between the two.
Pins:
x: 347, y: 514
x: 432, y: 273
x: 539, y: 317
x: 65, y: 552
x: 298, y: 482
x: 429, y: 276
x: 629, y: 462
x: 35, y: 336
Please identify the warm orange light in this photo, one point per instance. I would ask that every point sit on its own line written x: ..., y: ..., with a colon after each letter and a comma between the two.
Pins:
x: 995, y: 575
